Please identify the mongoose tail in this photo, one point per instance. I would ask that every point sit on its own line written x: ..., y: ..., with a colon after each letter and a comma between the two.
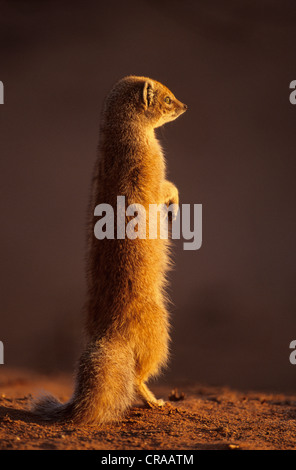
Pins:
x: 104, y: 386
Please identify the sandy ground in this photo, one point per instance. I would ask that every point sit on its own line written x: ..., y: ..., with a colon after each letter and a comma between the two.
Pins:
x: 203, y: 418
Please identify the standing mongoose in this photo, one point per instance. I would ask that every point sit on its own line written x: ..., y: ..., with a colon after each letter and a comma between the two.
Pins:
x: 127, y: 323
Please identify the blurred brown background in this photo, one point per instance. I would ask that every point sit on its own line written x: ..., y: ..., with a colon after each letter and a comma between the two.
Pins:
x: 234, y: 152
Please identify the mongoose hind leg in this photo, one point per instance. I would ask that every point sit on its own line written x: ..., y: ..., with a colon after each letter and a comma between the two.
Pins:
x: 147, y: 396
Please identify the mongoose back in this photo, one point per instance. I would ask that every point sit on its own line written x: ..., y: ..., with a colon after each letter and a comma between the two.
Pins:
x: 127, y: 321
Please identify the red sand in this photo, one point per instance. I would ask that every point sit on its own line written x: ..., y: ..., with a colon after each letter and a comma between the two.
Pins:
x: 205, y: 418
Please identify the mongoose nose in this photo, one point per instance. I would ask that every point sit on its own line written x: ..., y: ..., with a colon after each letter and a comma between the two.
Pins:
x: 185, y: 106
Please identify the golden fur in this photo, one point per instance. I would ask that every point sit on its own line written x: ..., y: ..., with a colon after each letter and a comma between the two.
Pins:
x: 127, y: 324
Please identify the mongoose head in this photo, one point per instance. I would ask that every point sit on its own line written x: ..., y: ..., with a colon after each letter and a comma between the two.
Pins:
x: 143, y: 99
x: 160, y: 104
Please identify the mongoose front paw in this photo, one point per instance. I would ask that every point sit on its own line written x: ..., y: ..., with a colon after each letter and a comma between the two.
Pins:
x: 173, y: 212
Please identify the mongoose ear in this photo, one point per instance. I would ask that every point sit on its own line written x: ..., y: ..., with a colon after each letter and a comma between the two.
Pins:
x: 148, y: 93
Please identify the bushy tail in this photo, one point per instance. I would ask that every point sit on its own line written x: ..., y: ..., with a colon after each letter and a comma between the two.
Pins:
x: 104, y: 386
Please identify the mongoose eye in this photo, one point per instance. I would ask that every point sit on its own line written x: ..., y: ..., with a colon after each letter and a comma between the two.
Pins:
x: 167, y: 100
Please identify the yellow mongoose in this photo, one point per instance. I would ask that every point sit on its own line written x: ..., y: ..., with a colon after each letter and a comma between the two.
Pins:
x: 127, y: 323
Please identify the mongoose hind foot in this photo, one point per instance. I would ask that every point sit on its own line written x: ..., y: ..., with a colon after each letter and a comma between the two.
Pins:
x: 148, y: 397
x: 158, y: 403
